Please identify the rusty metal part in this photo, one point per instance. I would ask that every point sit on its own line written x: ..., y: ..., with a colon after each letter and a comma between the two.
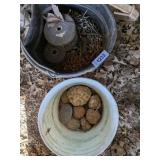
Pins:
x: 60, y: 33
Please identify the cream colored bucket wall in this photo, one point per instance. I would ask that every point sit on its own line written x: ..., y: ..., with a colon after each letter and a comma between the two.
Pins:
x: 63, y: 141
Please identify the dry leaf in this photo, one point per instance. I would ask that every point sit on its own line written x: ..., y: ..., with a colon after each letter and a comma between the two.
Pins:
x: 117, y: 61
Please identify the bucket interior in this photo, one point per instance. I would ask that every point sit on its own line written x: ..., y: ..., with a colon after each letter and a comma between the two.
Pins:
x: 63, y: 141
x: 37, y: 42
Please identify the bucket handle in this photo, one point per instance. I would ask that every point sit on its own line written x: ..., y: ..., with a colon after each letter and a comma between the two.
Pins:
x: 52, y: 75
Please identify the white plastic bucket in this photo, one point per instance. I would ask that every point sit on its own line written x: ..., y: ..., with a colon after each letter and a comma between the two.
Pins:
x: 63, y: 141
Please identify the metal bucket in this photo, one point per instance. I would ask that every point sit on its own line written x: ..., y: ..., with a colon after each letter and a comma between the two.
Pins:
x: 103, y: 17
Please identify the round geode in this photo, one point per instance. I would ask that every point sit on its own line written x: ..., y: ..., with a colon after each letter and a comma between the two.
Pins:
x: 64, y: 97
x: 94, y: 102
x: 65, y: 113
x: 93, y: 116
x: 85, y: 125
x: 78, y: 112
x: 79, y: 95
x: 73, y: 124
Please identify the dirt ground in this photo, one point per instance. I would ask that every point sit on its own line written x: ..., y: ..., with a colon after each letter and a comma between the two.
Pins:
x: 120, y: 74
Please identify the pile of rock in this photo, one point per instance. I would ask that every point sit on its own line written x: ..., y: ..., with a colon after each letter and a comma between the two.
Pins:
x: 80, y: 108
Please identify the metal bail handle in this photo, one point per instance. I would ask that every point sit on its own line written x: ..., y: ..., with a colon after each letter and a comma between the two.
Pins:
x: 52, y: 75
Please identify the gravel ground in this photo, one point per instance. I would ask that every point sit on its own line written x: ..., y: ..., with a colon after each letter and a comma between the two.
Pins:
x: 120, y: 73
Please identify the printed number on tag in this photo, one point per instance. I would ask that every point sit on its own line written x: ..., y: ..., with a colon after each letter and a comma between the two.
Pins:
x: 100, y: 59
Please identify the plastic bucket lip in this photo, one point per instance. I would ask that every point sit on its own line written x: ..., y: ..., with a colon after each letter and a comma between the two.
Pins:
x: 90, y: 68
x: 75, y: 81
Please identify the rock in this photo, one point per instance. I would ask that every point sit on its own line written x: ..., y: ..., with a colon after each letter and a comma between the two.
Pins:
x: 79, y: 95
x: 79, y: 112
x: 94, y: 102
x: 64, y: 98
x: 85, y: 125
x: 73, y: 124
x: 65, y: 113
x: 93, y: 116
